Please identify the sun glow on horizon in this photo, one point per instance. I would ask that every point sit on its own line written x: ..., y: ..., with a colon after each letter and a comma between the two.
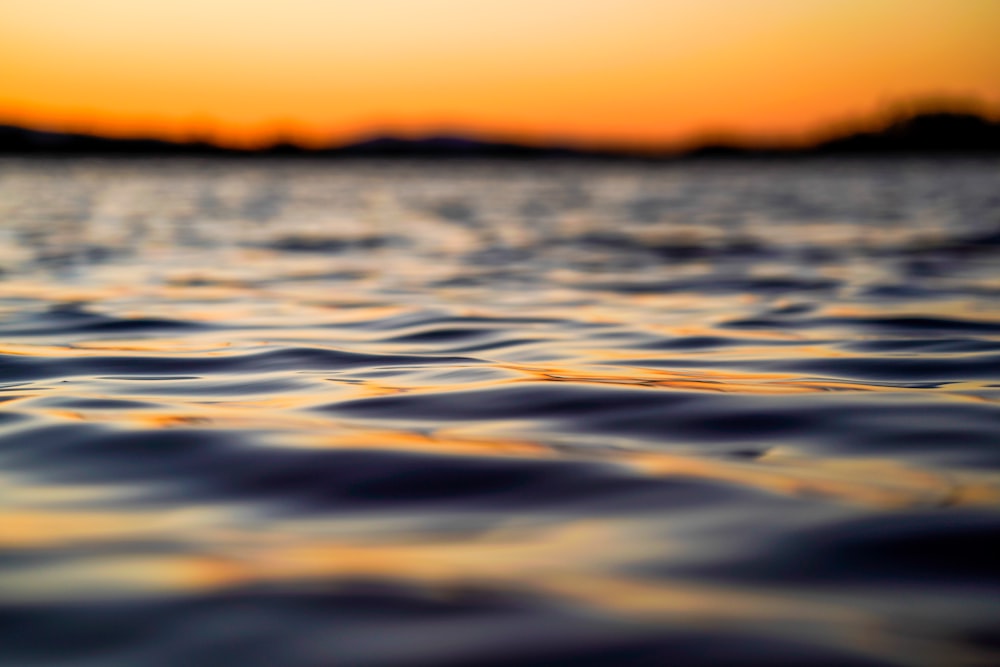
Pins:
x: 629, y: 71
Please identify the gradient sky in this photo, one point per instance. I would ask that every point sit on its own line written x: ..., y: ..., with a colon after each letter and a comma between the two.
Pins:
x: 582, y: 70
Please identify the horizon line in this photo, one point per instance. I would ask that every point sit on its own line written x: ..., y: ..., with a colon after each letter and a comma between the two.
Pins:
x: 283, y: 133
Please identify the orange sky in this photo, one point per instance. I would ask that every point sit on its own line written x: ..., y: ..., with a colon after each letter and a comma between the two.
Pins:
x: 581, y: 70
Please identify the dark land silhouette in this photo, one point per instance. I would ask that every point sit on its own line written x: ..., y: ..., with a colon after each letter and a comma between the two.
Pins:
x: 914, y: 132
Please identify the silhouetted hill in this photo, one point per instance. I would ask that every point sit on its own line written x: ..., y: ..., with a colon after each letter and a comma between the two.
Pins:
x: 453, y: 147
x: 24, y: 141
x: 920, y: 133
x: 941, y: 132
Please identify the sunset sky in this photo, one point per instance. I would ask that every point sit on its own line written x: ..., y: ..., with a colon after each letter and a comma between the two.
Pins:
x: 593, y: 71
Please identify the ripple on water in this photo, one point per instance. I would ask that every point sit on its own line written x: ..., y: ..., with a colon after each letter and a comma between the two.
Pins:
x: 381, y: 414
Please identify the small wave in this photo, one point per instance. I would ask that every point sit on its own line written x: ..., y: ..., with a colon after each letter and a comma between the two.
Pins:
x: 497, y: 414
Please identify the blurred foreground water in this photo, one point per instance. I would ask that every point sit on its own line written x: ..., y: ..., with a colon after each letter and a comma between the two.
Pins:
x: 377, y: 414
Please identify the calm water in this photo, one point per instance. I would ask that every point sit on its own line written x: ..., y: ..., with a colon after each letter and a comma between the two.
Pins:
x: 382, y: 414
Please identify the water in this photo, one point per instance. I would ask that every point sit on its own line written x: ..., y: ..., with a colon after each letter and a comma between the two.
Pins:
x: 377, y: 414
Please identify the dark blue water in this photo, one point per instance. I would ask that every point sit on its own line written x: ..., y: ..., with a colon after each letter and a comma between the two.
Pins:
x: 378, y: 414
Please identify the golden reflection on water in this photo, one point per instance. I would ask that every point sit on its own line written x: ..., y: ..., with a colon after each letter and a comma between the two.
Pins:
x: 877, y: 483
x: 569, y: 562
x: 701, y: 380
x: 467, y: 313
x: 511, y: 556
x: 436, y: 442
x: 873, y: 482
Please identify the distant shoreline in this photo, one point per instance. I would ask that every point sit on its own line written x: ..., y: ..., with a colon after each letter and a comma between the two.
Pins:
x: 924, y: 133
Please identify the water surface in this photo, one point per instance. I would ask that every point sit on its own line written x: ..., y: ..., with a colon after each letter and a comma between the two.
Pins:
x: 377, y: 414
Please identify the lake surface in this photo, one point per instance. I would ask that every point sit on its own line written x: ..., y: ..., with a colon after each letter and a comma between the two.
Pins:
x: 451, y: 414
